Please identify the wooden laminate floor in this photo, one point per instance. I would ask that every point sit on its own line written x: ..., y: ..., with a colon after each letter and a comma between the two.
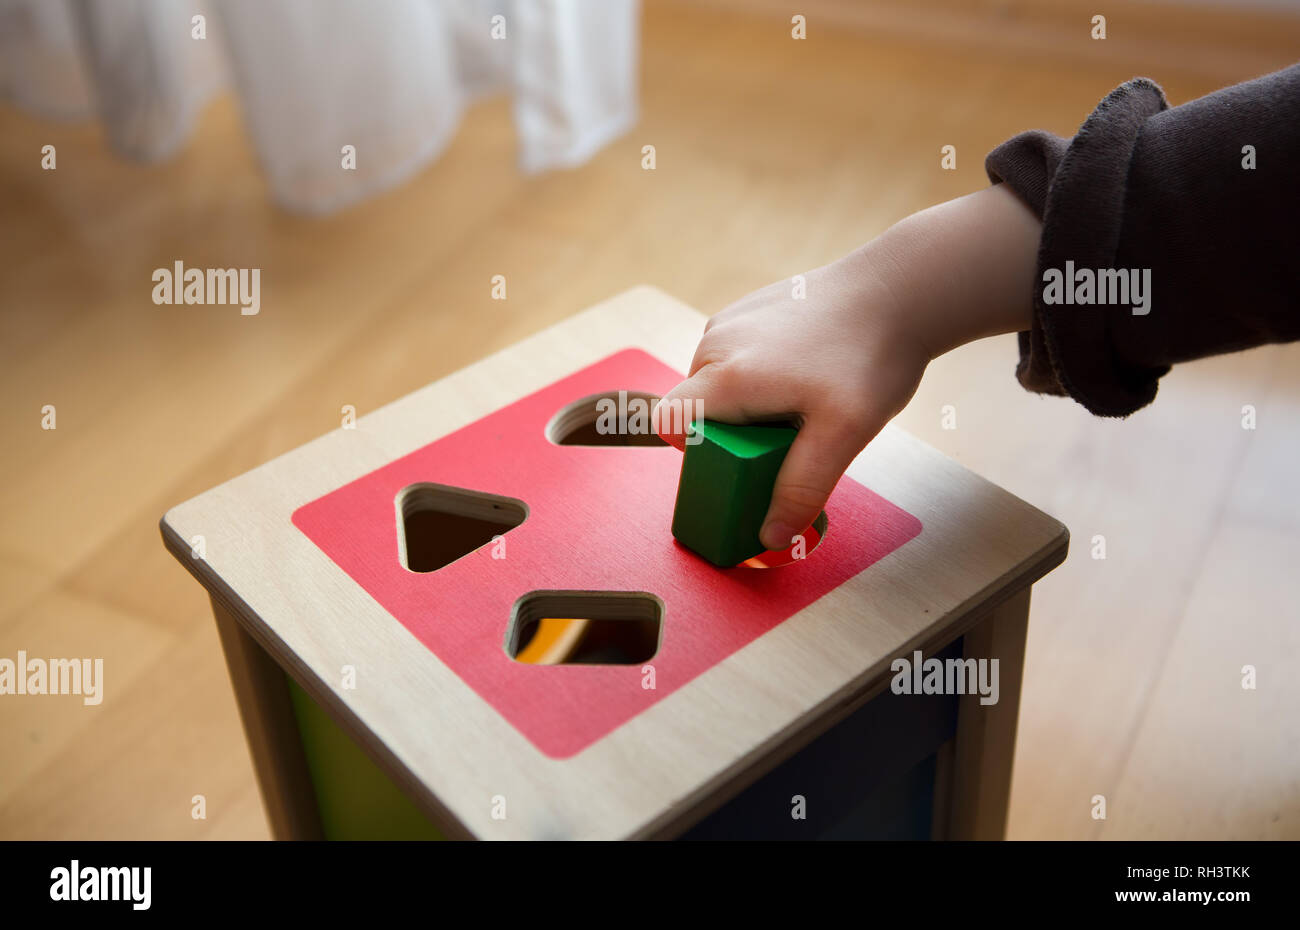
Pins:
x: 773, y: 156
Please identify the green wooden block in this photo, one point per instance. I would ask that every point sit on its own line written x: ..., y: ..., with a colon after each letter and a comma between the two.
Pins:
x: 726, y: 487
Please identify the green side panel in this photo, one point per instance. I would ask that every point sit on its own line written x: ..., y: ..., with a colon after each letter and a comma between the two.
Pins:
x: 357, y: 800
x: 725, y: 489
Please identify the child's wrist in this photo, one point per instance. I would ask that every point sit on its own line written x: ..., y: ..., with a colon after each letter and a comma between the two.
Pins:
x: 961, y: 270
x: 898, y: 300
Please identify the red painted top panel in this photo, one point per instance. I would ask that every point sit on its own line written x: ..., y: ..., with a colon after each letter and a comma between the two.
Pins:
x: 598, y: 520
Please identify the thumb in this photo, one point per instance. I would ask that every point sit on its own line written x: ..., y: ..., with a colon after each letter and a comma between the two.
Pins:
x: 813, y: 466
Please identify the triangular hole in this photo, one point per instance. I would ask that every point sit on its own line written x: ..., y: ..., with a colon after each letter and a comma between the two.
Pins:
x: 438, y: 524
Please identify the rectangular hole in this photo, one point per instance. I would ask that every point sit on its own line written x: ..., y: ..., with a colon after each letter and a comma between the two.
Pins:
x: 438, y: 524
x: 585, y: 628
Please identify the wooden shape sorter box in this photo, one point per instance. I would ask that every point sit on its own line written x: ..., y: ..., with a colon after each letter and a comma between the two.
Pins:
x: 380, y: 698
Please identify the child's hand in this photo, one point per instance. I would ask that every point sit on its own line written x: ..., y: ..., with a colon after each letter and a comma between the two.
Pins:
x: 839, y: 362
x: 847, y: 357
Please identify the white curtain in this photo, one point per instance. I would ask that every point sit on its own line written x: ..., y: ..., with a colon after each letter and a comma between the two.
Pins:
x: 388, y: 77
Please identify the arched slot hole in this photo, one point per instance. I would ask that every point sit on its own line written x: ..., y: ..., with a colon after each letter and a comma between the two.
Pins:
x: 610, y: 418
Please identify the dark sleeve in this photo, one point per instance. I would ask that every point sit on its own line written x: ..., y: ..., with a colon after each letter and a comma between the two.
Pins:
x: 1146, y: 186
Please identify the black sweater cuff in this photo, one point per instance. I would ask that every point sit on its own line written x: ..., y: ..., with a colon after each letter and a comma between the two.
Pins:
x: 1078, y: 187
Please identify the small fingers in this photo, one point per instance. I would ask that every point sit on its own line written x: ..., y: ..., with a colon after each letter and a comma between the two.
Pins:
x: 813, y: 466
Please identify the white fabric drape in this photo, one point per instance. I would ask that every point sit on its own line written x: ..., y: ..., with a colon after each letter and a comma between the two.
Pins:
x: 389, y: 77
